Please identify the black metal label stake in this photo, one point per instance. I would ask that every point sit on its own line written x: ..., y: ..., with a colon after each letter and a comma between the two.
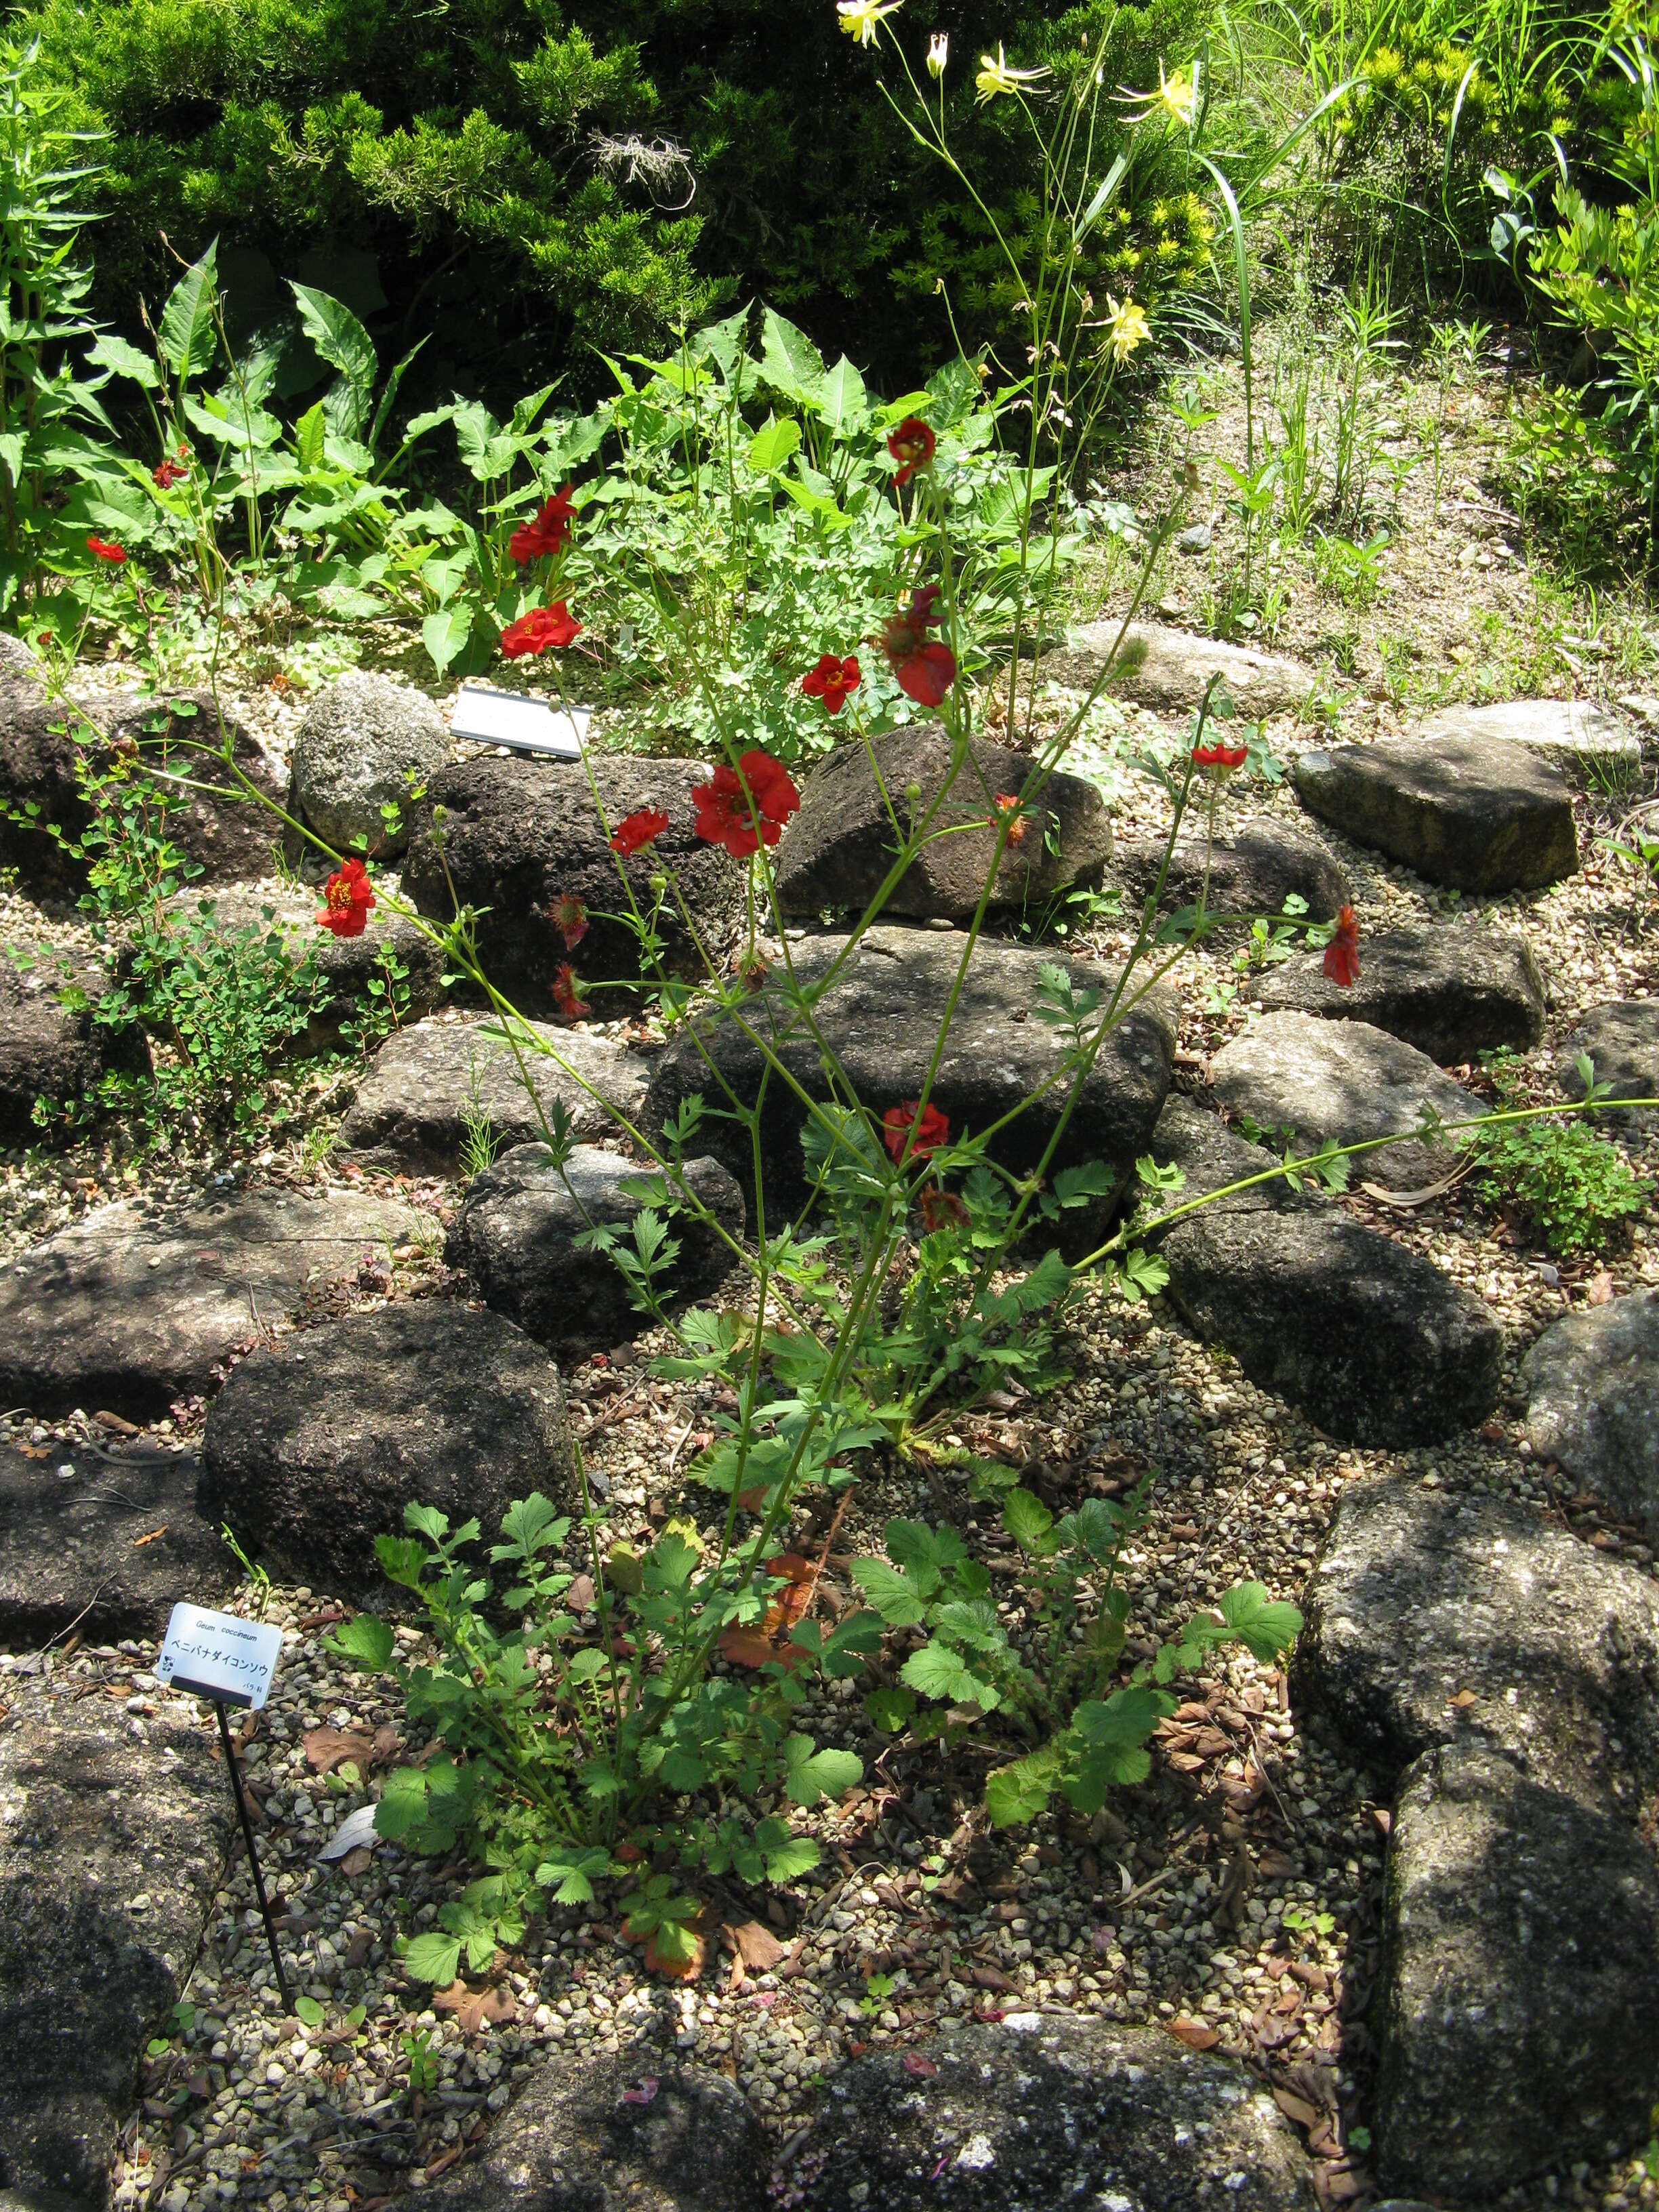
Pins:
x: 237, y: 1792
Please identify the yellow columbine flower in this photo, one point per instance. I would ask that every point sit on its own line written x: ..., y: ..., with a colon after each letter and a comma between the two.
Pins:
x: 859, y: 18
x: 1176, y: 95
x: 938, y: 49
x: 1127, y: 329
x: 996, y: 77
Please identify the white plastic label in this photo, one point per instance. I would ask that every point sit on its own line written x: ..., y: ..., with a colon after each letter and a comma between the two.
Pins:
x: 527, y: 725
x: 216, y: 1655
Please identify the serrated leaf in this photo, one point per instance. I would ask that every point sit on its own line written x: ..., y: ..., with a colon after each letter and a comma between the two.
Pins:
x: 892, y: 1591
x: 811, y: 1775
x: 1021, y: 1792
x: 936, y: 1671
x: 368, y: 1643
x: 1264, y: 1625
x: 434, y: 1958
x: 1027, y: 1519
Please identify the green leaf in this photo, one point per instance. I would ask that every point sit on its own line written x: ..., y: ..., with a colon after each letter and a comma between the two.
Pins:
x: 108, y: 351
x: 345, y: 345
x: 842, y: 398
x: 892, y: 1592
x: 367, y: 1642
x: 890, y: 1709
x: 1264, y: 1627
x: 1020, y: 1792
x: 309, y: 433
x: 445, y: 632
x: 790, y: 362
x: 1077, y: 1186
x: 1127, y: 1716
x: 434, y: 1958
x: 936, y: 1671
x: 1027, y: 1519
x: 811, y: 1775
x: 788, y: 1862
x: 770, y: 447
x: 308, y: 2010
x: 188, y: 337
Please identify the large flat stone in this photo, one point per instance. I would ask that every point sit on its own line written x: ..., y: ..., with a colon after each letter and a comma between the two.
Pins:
x: 1593, y: 1380
x: 1452, y: 991
x: 1046, y: 2110
x: 1252, y: 870
x: 1479, y: 814
x: 838, y: 851
x: 1572, y: 735
x: 1158, y: 666
x: 127, y: 1310
x: 1345, y: 1081
x: 113, y: 1833
x: 1369, y: 1340
x: 1423, y: 1594
x: 416, y: 1097
x: 1519, y: 2013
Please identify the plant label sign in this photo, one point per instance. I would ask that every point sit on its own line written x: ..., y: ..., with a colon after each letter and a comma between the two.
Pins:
x: 523, y: 725
x: 216, y: 1655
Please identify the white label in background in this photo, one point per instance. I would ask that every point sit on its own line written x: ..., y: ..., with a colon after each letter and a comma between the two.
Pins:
x: 217, y: 1656
x: 528, y: 725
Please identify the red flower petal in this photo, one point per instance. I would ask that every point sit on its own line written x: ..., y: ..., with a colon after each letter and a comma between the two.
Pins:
x: 348, y: 897
x: 1342, y: 953
x: 544, y: 629
x: 641, y: 828
x: 912, y: 445
x: 931, y: 1132
x: 724, y: 812
x: 105, y: 550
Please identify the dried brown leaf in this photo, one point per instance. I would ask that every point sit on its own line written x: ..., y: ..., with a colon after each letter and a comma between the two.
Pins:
x: 474, y: 2008
x: 329, y: 1747
x: 758, y: 1946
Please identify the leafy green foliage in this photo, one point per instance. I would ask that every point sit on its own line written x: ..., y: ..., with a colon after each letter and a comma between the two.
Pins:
x: 1570, y: 1185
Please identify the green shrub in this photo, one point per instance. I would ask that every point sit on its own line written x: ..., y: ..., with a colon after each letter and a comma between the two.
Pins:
x: 1571, y: 1186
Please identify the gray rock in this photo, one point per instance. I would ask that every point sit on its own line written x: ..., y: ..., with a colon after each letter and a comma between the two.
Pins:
x: 113, y: 1832
x: 359, y: 742
x: 837, y: 851
x: 1592, y: 1381
x: 1476, y: 813
x: 519, y: 834
x: 1622, y: 1041
x: 1572, y: 735
x: 623, y: 2134
x: 414, y: 1098
x: 1252, y: 870
x: 880, y: 1018
x: 1346, y: 1081
x: 127, y: 1310
x: 1369, y: 1340
x: 47, y: 1052
x: 1158, y: 666
x: 1519, y: 2012
x: 516, y: 1234
x: 107, y: 1549
x: 1423, y: 1594
x: 314, y: 1447
x: 1047, y: 2110
x: 1452, y: 992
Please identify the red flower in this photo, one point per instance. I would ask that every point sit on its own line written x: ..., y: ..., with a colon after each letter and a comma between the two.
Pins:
x: 925, y: 671
x: 724, y: 812
x: 542, y: 628
x: 1219, y: 760
x: 166, y: 474
x: 347, y: 898
x: 831, y: 681
x: 931, y: 1131
x: 912, y: 447
x: 548, y: 533
x: 641, y: 828
x: 569, y: 917
x: 1008, y: 803
x: 1342, y: 953
x: 942, y: 1209
x: 569, y: 1006
x: 115, y: 555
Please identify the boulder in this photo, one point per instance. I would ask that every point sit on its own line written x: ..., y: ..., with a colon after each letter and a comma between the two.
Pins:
x: 837, y: 851
x: 1368, y: 1339
x: 516, y: 1234
x: 1572, y: 735
x: 517, y: 834
x: 1045, y: 2110
x: 106, y: 1546
x: 1158, y: 666
x: 1425, y: 1597
x: 1622, y: 1041
x: 1518, y: 2018
x: 622, y: 2133
x: 361, y: 741
x: 1253, y: 869
x: 1476, y: 813
x: 113, y: 1834
x: 1451, y: 992
x: 424, y: 1090
x: 128, y: 1310
x: 1593, y: 1386
x: 49, y: 1052
x: 314, y: 1447
x: 1345, y: 1081
x: 879, y: 1014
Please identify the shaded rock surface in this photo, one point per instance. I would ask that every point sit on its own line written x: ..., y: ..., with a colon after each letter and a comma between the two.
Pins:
x: 576, y: 2141
x: 520, y: 833
x: 1622, y: 1041
x: 359, y: 741
x: 1592, y: 1381
x: 1043, y: 2110
x: 1451, y: 992
x: 516, y: 1234
x: 1519, y: 2023
x: 1158, y: 666
x: 1423, y: 1594
x: 1253, y: 869
x: 880, y: 1016
x: 416, y: 1097
x: 107, y: 1548
x: 1344, y: 1081
x: 128, y: 1310
x: 1369, y: 1340
x: 313, y: 1449
x: 1573, y: 734
x: 113, y: 1834
x: 1479, y: 814
x: 838, y: 849
x: 48, y: 1052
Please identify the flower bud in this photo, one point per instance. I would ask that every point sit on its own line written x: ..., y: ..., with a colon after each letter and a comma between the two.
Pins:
x: 912, y: 793
x: 659, y: 883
